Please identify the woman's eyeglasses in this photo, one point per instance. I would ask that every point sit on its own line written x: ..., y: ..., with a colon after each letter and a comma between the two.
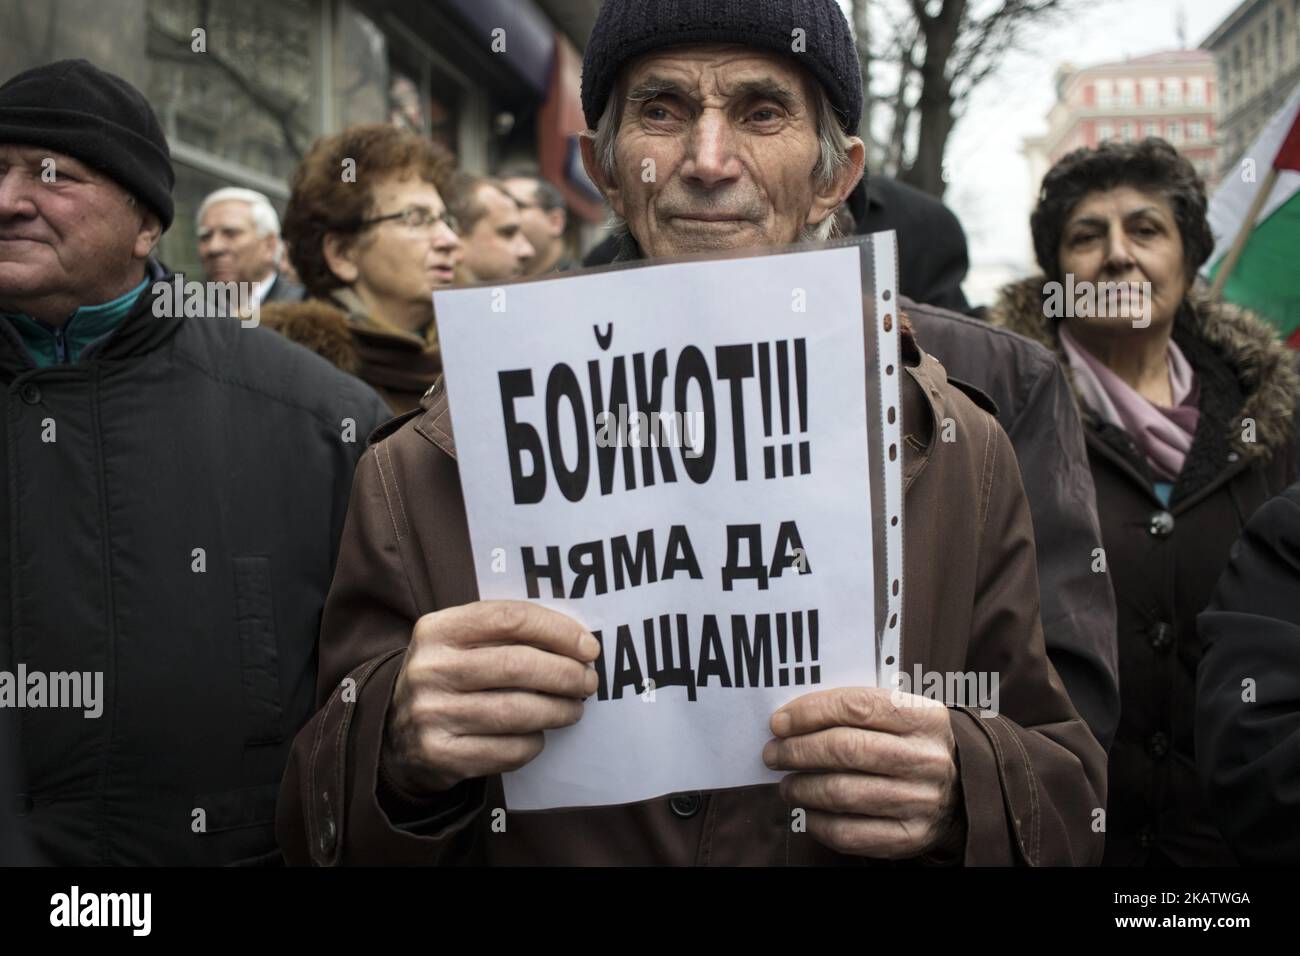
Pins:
x: 416, y: 217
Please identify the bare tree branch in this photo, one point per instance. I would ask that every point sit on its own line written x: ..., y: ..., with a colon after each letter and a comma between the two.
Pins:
x: 939, y: 52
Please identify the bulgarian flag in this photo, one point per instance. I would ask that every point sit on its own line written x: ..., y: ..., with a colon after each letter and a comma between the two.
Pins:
x: 1255, y: 216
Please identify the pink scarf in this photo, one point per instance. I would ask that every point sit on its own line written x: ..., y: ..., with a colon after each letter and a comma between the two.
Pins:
x: 1164, y: 435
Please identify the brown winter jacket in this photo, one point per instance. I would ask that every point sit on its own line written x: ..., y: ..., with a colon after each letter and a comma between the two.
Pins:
x: 1163, y: 561
x: 1032, y: 778
x: 400, y: 367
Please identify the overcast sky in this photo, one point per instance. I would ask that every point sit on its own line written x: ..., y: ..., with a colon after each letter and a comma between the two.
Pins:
x: 989, y: 189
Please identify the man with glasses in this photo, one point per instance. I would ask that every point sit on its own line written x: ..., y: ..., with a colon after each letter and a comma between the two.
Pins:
x: 371, y: 248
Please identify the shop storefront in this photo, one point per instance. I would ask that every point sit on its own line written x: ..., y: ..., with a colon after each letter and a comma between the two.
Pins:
x: 243, y: 87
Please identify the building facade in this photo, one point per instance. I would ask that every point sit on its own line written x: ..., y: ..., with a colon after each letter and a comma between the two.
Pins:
x: 1172, y: 95
x: 1256, y: 52
x: 243, y: 87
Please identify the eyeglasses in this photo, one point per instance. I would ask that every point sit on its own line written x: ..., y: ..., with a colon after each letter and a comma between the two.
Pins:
x: 416, y: 217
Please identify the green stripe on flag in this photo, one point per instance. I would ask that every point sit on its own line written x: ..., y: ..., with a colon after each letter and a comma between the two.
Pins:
x: 1266, y: 278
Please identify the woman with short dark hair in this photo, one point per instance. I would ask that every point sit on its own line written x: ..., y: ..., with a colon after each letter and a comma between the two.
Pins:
x: 370, y: 236
x: 1189, y: 407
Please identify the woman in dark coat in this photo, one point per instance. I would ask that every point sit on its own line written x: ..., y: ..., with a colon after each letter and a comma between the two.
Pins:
x: 1189, y: 407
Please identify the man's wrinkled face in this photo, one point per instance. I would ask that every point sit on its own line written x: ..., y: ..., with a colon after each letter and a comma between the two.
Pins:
x: 496, y: 247
x: 716, y: 149
x: 229, y: 246
x: 66, y: 230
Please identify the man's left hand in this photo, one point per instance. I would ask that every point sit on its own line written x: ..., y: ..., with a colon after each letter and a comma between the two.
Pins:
x: 875, y: 769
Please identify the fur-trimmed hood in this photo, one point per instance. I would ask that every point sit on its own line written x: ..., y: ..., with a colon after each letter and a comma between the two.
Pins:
x: 1264, y: 368
x: 318, y: 326
x: 400, y: 366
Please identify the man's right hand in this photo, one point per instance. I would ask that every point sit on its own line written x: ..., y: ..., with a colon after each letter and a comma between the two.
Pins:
x: 480, y: 684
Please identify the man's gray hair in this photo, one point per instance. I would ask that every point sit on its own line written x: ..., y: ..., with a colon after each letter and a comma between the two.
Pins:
x: 834, y: 146
x: 266, y: 222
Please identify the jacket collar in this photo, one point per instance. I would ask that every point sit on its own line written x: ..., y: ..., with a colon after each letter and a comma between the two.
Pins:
x: 923, y: 407
x: 140, y: 332
x: 398, y: 362
x: 48, y: 345
x: 355, y: 309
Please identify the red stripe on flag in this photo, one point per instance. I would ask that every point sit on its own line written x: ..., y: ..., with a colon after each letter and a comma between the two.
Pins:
x: 1288, y: 154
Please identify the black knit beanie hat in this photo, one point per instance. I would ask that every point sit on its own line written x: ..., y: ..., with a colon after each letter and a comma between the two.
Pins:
x: 75, y: 108
x: 627, y: 28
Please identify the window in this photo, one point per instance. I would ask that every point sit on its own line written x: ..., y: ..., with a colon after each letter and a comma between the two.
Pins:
x: 254, y: 104
x: 1126, y: 132
x: 1173, y: 91
x: 1103, y: 93
x: 1196, y: 91
x: 362, y: 86
x: 446, y: 104
x: 1104, y: 132
x: 1175, y: 131
x: 1126, y: 93
x: 1150, y: 92
x: 1196, y: 131
x: 1151, y: 129
x: 1237, y: 72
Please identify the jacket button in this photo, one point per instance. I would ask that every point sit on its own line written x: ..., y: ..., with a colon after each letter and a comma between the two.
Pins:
x: 1161, y: 524
x: 24, y: 805
x: 1161, y: 636
x: 1158, y: 745
x: 30, y: 392
x: 685, y: 805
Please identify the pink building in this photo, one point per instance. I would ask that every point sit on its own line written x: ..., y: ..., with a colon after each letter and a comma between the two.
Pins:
x: 1172, y: 95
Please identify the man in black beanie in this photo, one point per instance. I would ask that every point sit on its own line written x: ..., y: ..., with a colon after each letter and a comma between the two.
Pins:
x: 732, y: 188
x: 174, y: 488
x: 715, y: 126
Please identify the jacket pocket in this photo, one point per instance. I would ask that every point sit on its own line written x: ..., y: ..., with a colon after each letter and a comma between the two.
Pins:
x: 238, y: 809
x: 239, y: 827
x: 259, y: 652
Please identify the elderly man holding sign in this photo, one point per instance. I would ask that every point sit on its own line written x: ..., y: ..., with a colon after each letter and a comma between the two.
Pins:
x: 706, y: 140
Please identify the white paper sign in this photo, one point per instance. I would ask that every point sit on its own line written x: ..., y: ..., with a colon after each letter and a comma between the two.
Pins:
x: 723, y: 576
